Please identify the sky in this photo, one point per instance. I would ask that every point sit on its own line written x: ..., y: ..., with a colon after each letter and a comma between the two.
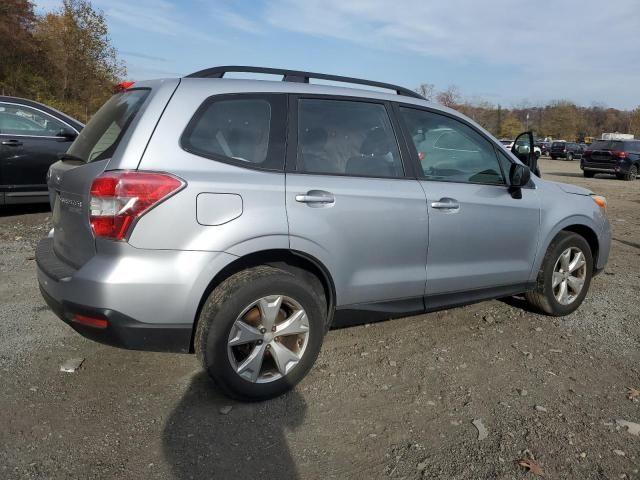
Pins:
x: 508, y: 52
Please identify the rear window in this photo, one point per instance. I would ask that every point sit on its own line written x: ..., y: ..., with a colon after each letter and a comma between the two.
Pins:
x: 244, y: 129
x: 100, y: 137
x: 558, y: 144
x: 610, y: 145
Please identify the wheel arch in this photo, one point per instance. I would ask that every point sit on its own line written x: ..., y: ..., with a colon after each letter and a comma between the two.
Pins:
x: 579, y: 225
x: 297, y: 262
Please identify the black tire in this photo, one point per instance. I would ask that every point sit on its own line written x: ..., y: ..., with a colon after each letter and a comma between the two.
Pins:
x: 631, y: 174
x: 553, y: 158
x: 537, y: 154
x: 588, y: 174
x: 222, y: 308
x: 570, y: 156
x: 542, y: 297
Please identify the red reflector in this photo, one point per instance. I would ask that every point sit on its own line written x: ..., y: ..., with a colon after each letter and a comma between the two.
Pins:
x: 118, y: 198
x: 90, y: 321
x: 122, y: 86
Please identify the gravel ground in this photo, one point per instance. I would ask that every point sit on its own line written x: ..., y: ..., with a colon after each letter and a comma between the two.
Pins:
x: 394, y: 399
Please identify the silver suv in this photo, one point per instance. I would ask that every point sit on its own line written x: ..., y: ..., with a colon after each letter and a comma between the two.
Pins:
x: 241, y: 219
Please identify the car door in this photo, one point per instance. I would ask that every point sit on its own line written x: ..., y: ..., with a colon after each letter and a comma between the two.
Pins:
x: 350, y: 203
x: 31, y: 141
x: 481, y: 236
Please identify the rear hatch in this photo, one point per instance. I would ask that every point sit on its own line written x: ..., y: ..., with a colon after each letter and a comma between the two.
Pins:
x: 602, y: 151
x: 558, y: 147
x: 70, y: 178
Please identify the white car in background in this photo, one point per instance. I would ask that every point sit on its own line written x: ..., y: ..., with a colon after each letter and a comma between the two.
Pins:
x: 508, y: 144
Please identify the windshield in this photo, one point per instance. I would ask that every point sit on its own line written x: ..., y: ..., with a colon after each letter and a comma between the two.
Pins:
x: 607, y: 145
x: 100, y: 137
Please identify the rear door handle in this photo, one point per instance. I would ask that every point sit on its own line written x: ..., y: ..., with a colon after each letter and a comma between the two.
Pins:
x: 446, y: 204
x: 12, y: 143
x: 316, y: 196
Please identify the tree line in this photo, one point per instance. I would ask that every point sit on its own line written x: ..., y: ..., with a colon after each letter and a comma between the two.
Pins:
x: 63, y: 58
x: 559, y: 119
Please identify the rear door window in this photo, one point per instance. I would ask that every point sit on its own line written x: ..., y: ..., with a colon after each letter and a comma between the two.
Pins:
x: 344, y: 137
x: 101, y: 136
x: 245, y: 129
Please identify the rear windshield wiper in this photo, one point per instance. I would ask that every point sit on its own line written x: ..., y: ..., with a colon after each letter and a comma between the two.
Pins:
x: 70, y: 157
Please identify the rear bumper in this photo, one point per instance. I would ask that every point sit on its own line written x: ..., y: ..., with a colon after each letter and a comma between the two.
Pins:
x: 150, y: 298
x: 122, y: 331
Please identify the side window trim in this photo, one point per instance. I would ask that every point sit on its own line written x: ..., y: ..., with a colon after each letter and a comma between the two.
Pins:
x: 414, y: 152
x: 41, y: 112
x: 277, y: 128
x: 292, y: 135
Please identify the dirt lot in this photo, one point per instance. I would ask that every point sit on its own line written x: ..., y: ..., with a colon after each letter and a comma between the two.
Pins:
x: 390, y: 400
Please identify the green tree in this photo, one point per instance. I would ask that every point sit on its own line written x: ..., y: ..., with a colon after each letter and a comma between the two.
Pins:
x: 511, y: 126
x: 85, y: 65
x: 634, y: 123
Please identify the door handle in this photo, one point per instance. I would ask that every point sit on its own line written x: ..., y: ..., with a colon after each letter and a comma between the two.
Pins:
x: 12, y: 143
x: 315, y: 196
x: 446, y: 204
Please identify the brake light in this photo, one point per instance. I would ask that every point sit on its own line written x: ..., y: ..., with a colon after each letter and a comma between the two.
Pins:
x: 586, y: 153
x: 122, y: 86
x: 119, y: 198
x: 619, y: 154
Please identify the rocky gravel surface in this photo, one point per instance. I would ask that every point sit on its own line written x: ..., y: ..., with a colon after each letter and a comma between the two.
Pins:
x: 485, y: 391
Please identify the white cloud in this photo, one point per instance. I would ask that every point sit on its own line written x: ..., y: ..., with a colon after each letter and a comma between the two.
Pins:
x: 547, y: 42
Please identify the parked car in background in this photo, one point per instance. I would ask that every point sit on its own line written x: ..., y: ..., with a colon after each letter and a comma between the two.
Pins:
x: 32, y: 136
x: 241, y: 219
x: 566, y: 150
x: 508, y: 144
x: 544, y: 147
x: 620, y: 157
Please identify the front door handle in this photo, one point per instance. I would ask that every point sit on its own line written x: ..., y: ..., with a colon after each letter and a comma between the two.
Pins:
x: 12, y: 143
x: 316, y: 196
x: 446, y: 204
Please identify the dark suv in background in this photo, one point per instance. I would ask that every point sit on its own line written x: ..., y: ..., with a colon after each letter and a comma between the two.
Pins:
x: 567, y: 150
x: 619, y: 157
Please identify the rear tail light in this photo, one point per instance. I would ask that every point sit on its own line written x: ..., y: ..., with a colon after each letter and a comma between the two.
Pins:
x: 119, y: 198
x: 619, y: 154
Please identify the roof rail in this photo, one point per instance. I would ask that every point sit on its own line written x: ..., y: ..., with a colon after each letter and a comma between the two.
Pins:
x: 301, y: 77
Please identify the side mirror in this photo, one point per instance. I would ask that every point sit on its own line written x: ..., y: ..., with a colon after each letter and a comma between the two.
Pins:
x: 519, y: 176
x: 67, y: 134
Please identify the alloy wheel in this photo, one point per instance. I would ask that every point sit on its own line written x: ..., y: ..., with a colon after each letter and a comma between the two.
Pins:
x: 569, y: 274
x: 268, y: 339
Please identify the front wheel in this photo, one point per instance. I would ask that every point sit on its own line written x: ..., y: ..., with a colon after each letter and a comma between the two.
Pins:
x: 565, y: 276
x: 260, y: 332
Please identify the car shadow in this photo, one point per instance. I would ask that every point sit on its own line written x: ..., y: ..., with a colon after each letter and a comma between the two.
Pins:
x: 518, y: 301
x: 249, y: 441
x: 15, y: 210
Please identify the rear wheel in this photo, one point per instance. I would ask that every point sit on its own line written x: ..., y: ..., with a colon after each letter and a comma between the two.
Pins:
x: 569, y: 156
x: 260, y: 332
x: 565, y: 276
x: 631, y: 174
x: 588, y: 174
